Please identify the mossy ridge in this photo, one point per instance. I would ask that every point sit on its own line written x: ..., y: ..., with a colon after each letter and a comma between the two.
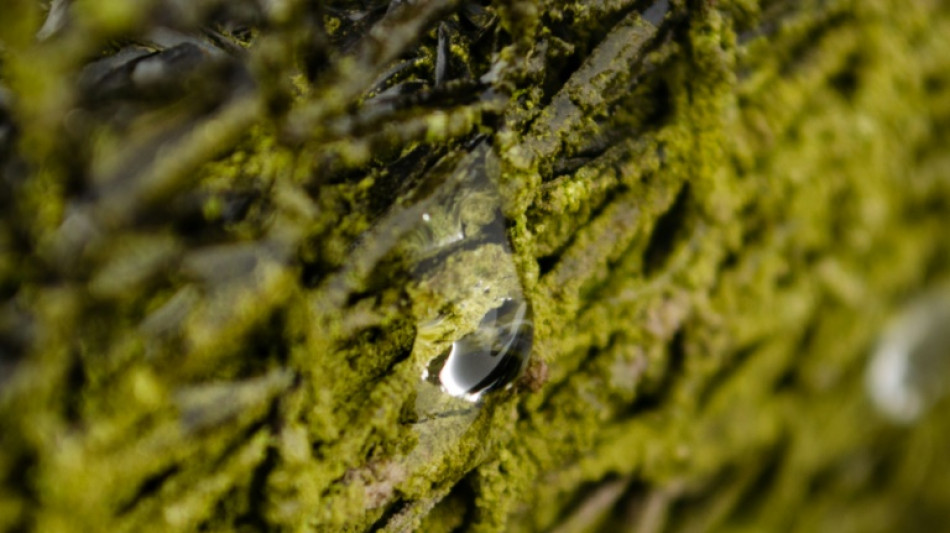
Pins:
x: 693, y: 360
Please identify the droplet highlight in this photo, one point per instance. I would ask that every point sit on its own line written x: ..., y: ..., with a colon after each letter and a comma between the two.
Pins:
x: 909, y: 370
x: 475, y: 330
x: 490, y: 357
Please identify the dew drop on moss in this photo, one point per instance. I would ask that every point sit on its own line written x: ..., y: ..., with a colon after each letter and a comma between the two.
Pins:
x: 490, y: 357
x: 910, y: 368
x: 475, y: 330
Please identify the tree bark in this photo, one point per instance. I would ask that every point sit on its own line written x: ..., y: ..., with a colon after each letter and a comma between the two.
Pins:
x: 468, y: 266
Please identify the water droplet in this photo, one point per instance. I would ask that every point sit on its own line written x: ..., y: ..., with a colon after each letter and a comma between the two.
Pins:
x: 910, y: 368
x: 445, y: 243
x: 490, y: 357
x: 475, y: 330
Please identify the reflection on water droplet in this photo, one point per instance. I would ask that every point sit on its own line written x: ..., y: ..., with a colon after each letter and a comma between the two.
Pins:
x: 490, y: 357
x: 441, y: 251
x: 446, y: 242
x: 910, y: 369
x: 475, y: 329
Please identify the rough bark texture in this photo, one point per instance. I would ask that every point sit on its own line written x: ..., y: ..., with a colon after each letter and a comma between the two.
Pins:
x: 215, y: 315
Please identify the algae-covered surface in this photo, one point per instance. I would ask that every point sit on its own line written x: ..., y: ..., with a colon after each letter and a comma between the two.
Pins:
x: 527, y: 265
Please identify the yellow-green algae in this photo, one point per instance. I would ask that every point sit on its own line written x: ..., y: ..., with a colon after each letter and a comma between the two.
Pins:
x: 707, y: 281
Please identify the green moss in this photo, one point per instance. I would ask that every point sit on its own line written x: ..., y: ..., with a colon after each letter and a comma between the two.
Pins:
x: 217, y: 310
